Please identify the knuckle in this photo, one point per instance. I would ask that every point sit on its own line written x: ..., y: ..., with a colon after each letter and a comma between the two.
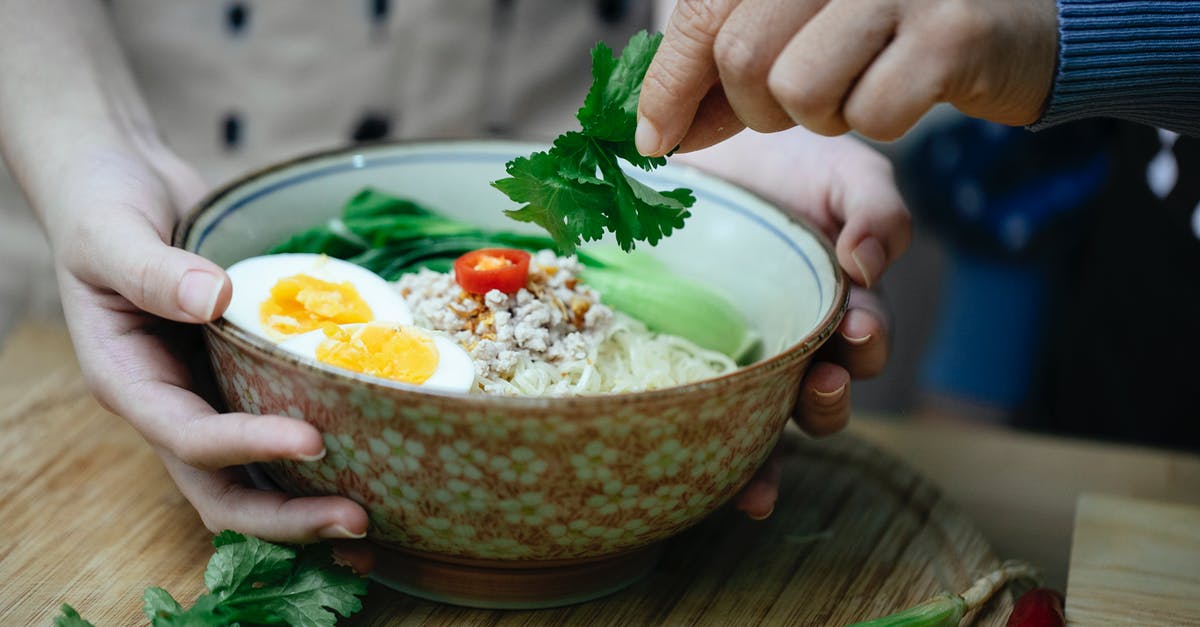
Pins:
x: 871, y: 368
x: 875, y: 128
x: 874, y: 117
x: 190, y: 445
x: 965, y: 24
x: 808, y: 106
x: 77, y: 251
x: 699, y: 20
x: 145, y: 287
x: 667, y: 81
x: 739, y: 59
x: 218, y: 512
x: 212, y: 521
x: 188, y: 452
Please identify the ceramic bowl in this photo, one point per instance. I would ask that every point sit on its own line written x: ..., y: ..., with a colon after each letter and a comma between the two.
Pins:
x: 517, y: 501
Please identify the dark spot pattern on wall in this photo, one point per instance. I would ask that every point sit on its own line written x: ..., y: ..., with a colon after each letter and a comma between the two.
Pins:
x: 237, y: 17
x: 379, y: 10
x: 231, y: 130
x: 612, y: 11
x: 373, y: 125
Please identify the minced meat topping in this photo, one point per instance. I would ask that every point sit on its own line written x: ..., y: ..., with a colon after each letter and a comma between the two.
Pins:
x: 554, y: 318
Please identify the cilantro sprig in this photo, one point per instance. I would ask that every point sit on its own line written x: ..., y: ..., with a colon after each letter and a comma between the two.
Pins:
x: 577, y: 190
x: 254, y: 582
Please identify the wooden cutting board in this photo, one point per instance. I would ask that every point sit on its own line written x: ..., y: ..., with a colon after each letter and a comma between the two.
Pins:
x: 88, y: 517
x: 1134, y: 562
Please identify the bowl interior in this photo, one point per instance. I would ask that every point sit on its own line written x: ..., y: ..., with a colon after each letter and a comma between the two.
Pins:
x: 779, y: 274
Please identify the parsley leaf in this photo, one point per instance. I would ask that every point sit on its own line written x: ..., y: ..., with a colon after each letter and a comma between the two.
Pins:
x: 69, y: 617
x: 578, y: 190
x: 253, y: 582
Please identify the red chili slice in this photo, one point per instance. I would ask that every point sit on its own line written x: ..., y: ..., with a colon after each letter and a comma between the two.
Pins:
x: 481, y: 271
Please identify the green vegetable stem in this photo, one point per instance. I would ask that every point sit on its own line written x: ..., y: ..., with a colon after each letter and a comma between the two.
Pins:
x: 947, y: 609
x: 253, y: 582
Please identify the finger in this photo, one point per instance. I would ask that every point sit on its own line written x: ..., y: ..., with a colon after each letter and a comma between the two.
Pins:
x: 170, y: 416
x: 223, y: 502
x: 890, y: 98
x: 680, y: 74
x: 155, y: 277
x: 173, y: 418
x: 757, y: 498
x: 861, y: 345
x: 877, y: 227
x: 745, y: 49
x: 134, y: 373
x: 714, y: 122
x: 220, y: 440
x: 358, y: 555
x: 814, y: 73
x: 824, y: 404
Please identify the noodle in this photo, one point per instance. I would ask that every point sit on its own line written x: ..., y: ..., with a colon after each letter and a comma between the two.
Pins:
x: 631, y: 358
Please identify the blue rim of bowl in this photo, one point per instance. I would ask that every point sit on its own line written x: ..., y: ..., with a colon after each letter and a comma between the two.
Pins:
x: 357, y: 157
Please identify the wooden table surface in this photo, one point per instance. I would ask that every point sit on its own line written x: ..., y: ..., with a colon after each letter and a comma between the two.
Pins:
x: 88, y: 517
x: 1134, y: 562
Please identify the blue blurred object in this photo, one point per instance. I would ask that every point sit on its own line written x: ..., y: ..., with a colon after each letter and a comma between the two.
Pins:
x: 1003, y: 190
x: 1007, y: 203
x: 988, y: 330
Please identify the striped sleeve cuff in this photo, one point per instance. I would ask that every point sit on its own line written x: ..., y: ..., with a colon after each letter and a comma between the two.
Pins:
x: 1133, y: 60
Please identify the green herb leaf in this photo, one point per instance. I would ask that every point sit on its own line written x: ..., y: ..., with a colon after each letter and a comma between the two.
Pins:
x: 70, y: 618
x: 253, y: 582
x: 301, y: 597
x: 159, y: 604
x: 578, y: 190
x: 257, y: 582
x: 609, y: 111
x: 569, y: 209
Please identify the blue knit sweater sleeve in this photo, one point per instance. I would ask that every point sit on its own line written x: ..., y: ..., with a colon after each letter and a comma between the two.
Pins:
x: 1133, y: 60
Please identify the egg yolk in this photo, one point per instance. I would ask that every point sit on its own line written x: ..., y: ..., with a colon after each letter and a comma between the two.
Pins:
x: 380, y: 350
x: 301, y: 303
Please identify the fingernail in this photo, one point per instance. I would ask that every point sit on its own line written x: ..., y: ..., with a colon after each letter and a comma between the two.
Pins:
x: 764, y: 516
x: 831, y: 396
x: 198, y: 293
x: 310, y: 458
x: 870, y: 259
x: 857, y: 341
x: 647, y: 137
x: 338, y: 532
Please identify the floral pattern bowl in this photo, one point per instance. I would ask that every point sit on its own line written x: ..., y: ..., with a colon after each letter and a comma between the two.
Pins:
x: 517, y: 501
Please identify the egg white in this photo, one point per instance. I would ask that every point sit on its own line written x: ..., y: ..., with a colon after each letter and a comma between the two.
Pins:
x: 455, y: 371
x: 253, y: 279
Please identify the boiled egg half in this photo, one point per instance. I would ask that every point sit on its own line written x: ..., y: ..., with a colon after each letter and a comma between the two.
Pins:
x: 280, y: 296
x: 394, y: 352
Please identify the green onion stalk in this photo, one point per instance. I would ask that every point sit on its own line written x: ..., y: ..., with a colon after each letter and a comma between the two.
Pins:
x: 947, y: 609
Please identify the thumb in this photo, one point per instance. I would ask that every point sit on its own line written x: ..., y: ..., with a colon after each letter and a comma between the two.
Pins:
x: 679, y: 76
x: 156, y: 277
x: 877, y: 227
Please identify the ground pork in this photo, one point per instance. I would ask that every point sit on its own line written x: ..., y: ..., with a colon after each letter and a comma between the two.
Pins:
x: 554, y: 318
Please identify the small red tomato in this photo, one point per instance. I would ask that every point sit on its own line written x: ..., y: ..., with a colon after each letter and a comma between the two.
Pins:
x: 481, y: 271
